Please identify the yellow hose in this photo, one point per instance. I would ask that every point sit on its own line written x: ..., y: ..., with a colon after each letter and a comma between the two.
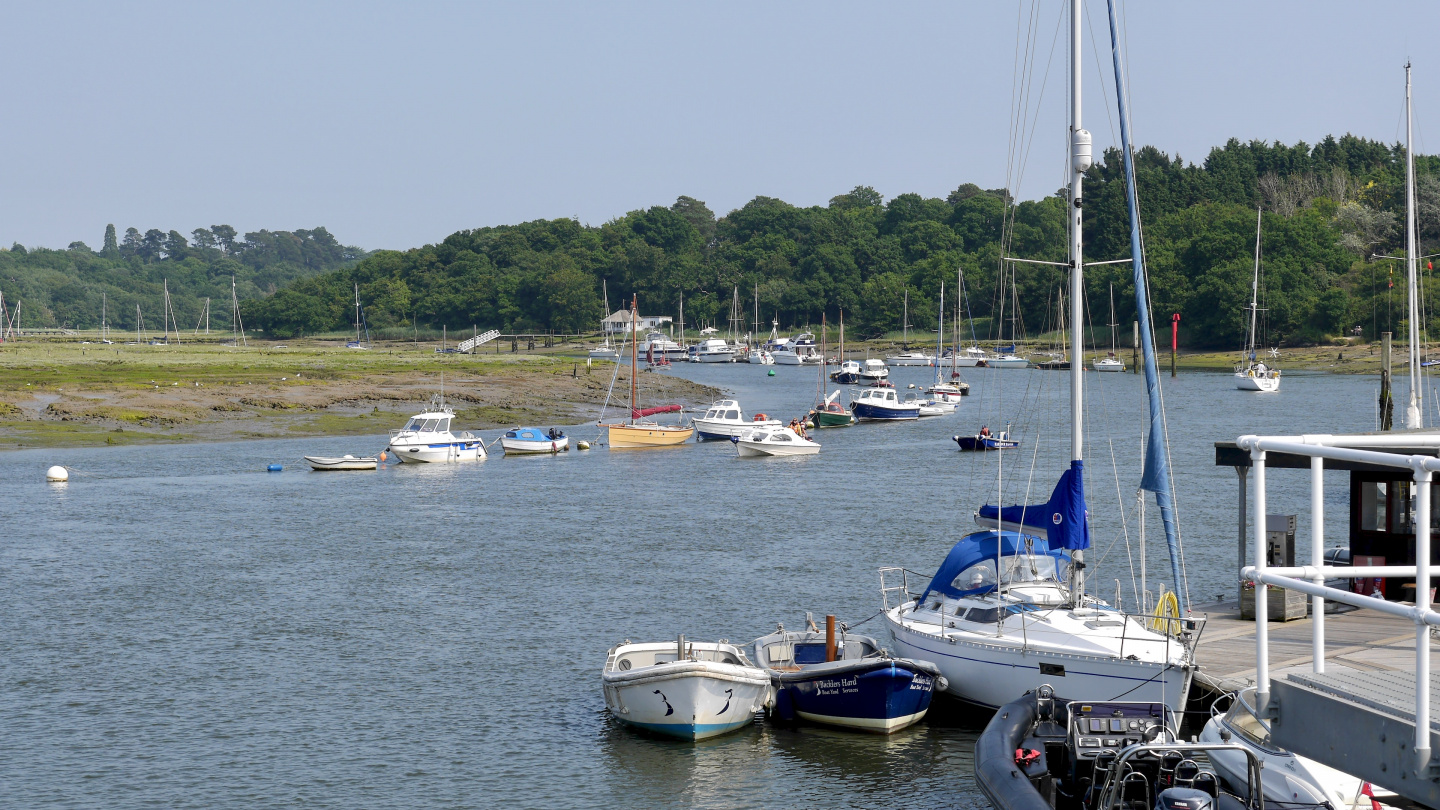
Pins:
x: 1167, y: 611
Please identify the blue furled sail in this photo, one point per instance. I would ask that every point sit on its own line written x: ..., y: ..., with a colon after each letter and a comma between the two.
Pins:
x: 1156, y: 477
x: 1063, y: 521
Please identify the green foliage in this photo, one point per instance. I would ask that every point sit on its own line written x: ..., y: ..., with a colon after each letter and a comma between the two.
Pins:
x: 69, y: 288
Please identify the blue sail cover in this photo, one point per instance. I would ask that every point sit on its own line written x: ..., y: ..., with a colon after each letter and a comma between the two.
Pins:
x: 979, y: 547
x: 1064, y: 518
x: 1156, y: 477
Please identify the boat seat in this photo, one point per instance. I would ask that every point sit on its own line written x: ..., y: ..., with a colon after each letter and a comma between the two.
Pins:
x: 1207, y: 782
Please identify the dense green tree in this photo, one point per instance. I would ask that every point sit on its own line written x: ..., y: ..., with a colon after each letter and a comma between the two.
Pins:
x: 111, y: 247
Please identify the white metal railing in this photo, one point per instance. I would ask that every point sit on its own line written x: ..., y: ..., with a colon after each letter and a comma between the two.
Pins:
x: 1310, y: 579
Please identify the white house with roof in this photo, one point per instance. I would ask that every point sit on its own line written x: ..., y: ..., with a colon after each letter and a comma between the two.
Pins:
x: 619, y: 322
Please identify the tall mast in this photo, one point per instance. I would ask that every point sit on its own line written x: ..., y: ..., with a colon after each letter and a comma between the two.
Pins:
x: 1079, y: 161
x: 634, y: 363
x: 1413, y: 419
x: 940, y: 334
x: 1254, y: 294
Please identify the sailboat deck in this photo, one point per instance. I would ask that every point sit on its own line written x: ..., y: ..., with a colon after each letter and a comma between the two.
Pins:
x: 1360, y: 639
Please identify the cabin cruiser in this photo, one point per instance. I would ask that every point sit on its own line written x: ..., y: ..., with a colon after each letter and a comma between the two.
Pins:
x: 693, y: 690
x: 874, y: 371
x: 847, y: 374
x: 848, y: 681
x: 760, y: 357
x: 523, y: 440
x: 1285, y: 777
x: 971, y: 357
x: 910, y: 359
x: 778, y: 441
x: 882, y: 403
x: 725, y: 419
x: 998, y: 633
x: 1040, y: 751
x: 801, y: 351
x: 427, y: 437
x: 713, y: 350
x: 658, y: 346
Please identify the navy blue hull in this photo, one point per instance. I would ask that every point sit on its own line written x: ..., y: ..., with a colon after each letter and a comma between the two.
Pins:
x: 879, y: 696
x: 863, y: 411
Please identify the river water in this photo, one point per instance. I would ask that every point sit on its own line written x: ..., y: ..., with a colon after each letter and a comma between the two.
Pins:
x: 182, y: 629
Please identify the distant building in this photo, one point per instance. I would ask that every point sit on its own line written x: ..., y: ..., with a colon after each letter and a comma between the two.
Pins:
x: 619, y: 322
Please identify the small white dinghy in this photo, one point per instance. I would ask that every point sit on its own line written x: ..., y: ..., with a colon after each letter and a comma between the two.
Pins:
x: 782, y: 441
x: 693, y: 690
x: 342, y: 463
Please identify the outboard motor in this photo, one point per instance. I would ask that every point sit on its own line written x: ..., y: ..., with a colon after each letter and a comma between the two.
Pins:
x: 1179, y: 798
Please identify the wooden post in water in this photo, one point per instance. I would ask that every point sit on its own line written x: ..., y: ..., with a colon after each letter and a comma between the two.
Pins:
x: 1387, y: 402
x: 829, y: 638
x: 1174, y: 341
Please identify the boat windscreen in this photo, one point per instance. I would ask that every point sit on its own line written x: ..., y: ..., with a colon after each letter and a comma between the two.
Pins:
x: 1029, y: 568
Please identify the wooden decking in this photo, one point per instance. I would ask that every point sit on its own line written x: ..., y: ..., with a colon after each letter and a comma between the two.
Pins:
x: 1360, y: 639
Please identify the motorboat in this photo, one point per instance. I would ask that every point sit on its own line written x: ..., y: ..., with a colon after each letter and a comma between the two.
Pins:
x: 779, y: 441
x: 949, y: 392
x: 692, y: 690
x: 910, y: 359
x: 724, y: 419
x: 971, y: 357
x: 1008, y: 360
x: 1040, y: 751
x: 847, y: 374
x: 985, y: 440
x: 1257, y: 377
x: 831, y: 414
x: 657, y: 345
x: 874, y: 370
x: 714, y: 350
x: 799, y: 351
x: 760, y: 357
x: 427, y: 438
x: 1109, y: 363
x: 342, y: 463
x: 1284, y: 777
x: 844, y: 680
x: 874, y: 404
x: 926, y: 406
x: 523, y: 440
x: 997, y: 634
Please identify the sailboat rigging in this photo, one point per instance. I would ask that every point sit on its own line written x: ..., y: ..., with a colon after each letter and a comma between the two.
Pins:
x: 1253, y: 374
x: 638, y: 430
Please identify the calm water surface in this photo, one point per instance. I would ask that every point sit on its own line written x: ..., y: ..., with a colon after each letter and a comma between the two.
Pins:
x: 182, y: 629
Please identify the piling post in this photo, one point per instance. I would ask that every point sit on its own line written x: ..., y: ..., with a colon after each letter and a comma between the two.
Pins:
x: 1387, y: 401
x: 1174, y: 340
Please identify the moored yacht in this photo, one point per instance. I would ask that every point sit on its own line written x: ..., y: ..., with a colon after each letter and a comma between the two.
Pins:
x: 910, y: 359
x: 656, y: 345
x: 713, y: 350
x: 801, y: 351
x: 847, y: 374
x: 427, y: 438
x: 876, y: 404
x: 874, y: 371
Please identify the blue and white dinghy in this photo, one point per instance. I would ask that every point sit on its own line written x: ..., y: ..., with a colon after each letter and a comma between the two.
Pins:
x: 849, y: 682
x: 693, y: 690
x: 524, y: 440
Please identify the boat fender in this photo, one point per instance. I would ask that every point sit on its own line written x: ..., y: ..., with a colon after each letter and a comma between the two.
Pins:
x: 942, y: 683
x: 382, y: 455
x: 784, y: 709
x: 274, y: 468
x: 582, y: 445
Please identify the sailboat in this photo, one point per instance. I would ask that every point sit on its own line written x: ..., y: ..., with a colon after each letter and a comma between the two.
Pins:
x: 637, y: 431
x: 1007, y: 610
x: 1059, y: 360
x: 1111, y: 362
x: 360, y: 326
x: 604, y: 351
x: 1251, y: 374
x: 909, y: 358
x: 947, y: 392
x: 828, y: 412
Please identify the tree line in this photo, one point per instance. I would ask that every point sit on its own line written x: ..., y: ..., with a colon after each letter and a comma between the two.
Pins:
x: 74, y: 287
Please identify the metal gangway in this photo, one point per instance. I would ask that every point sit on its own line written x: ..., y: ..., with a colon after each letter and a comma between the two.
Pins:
x: 1377, y: 726
x: 470, y: 344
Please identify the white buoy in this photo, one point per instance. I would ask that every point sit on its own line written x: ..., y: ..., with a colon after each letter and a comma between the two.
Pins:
x: 57, y: 475
x: 583, y: 445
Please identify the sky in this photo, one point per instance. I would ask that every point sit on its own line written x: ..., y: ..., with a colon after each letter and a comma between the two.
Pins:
x: 394, y: 125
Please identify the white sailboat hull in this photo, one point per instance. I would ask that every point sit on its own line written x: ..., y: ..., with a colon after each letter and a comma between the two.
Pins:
x: 1008, y: 362
x: 991, y: 673
x: 1249, y: 382
x: 1109, y: 365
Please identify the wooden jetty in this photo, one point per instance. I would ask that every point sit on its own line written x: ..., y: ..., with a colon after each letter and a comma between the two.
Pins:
x: 1361, y: 639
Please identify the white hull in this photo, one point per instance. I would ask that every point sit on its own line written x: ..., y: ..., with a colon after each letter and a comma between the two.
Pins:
x: 343, y: 463
x: 692, y: 700
x: 880, y: 725
x: 968, y: 362
x: 1285, y: 777
x: 604, y: 354
x: 951, y: 396
x: 523, y: 446
x: 936, y: 408
x: 788, y: 359
x: 1009, y: 362
x: 910, y: 361
x: 715, y: 357
x: 992, y: 673
x: 802, y: 448
x: 1109, y: 365
x: 760, y: 359
x: 724, y: 429
x: 439, y: 452
x: 1266, y: 385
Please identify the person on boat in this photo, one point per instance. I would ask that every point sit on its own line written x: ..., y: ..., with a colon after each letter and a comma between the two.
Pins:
x: 984, y: 431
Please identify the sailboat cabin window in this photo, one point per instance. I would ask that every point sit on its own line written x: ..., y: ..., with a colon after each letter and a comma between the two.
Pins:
x: 979, y: 575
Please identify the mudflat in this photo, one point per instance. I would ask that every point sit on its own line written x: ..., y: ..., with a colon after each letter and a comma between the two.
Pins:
x: 68, y: 393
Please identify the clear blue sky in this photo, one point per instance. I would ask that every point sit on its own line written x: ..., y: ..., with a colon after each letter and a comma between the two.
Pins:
x: 394, y: 125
